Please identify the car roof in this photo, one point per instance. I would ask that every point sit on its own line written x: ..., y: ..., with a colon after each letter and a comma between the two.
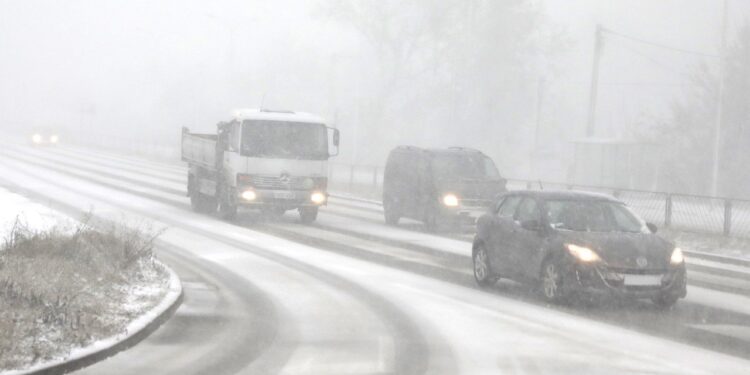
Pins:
x: 564, y: 195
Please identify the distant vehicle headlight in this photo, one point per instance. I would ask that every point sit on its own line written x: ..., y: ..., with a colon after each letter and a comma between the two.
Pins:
x: 450, y: 200
x: 677, y: 256
x: 249, y: 195
x: 317, y: 197
x: 54, y: 139
x: 36, y: 138
x: 584, y: 254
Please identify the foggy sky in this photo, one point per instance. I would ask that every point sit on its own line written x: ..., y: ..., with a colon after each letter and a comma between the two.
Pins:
x: 115, y: 66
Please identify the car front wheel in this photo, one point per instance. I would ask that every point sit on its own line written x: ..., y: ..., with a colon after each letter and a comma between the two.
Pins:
x: 482, y: 270
x: 552, y: 282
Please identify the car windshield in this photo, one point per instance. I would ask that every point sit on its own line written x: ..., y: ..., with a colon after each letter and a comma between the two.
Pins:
x: 462, y: 166
x: 284, y: 140
x: 593, y: 216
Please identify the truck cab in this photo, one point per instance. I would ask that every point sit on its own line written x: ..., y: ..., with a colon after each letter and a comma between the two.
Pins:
x: 274, y: 161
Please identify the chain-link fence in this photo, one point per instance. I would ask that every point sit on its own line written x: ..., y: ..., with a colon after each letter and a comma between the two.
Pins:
x: 692, y: 213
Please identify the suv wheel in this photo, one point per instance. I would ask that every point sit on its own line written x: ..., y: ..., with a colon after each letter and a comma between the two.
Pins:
x: 665, y: 301
x: 390, y: 212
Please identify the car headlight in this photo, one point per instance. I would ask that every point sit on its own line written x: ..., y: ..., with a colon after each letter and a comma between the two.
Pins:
x: 249, y: 195
x: 677, y: 256
x: 584, y: 254
x: 36, y: 138
x: 450, y: 200
x: 54, y: 139
x: 317, y: 197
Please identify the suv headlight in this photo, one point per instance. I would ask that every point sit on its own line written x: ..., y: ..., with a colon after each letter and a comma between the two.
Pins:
x: 677, y: 256
x: 583, y: 254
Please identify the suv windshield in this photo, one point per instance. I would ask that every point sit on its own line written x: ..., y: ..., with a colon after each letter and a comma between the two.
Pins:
x: 285, y: 140
x: 463, y: 166
x: 593, y: 216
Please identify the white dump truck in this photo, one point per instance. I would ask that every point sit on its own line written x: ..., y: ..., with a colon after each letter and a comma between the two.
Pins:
x: 274, y: 161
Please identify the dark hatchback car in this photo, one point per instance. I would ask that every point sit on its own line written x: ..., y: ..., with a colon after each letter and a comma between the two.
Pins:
x: 576, y: 244
x: 439, y: 186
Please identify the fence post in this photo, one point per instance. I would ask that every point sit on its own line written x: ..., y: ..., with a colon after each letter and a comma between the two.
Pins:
x: 668, y: 211
x: 727, y: 217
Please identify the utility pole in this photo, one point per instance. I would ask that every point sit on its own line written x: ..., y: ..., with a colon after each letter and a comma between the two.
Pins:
x: 598, y: 46
x: 719, y: 105
x: 539, y: 105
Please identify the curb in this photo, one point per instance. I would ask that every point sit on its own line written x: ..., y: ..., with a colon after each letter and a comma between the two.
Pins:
x: 135, y: 332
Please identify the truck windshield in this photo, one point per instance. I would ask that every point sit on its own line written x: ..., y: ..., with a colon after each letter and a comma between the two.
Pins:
x: 284, y: 140
x: 462, y: 166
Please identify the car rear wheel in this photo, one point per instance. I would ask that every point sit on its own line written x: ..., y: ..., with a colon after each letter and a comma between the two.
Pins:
x: 552, y: 282
x: 482, y: 270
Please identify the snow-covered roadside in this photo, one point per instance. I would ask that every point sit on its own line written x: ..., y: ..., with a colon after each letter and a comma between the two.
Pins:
x: 34, y: 215
x: 115, y: 305
x: 111, y: 345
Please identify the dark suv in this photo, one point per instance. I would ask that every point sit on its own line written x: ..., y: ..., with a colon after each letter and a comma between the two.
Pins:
x: 439, y: 186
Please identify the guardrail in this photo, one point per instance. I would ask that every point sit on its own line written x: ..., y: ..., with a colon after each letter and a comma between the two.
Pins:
x: 707, y: 270
x: 691, y: 213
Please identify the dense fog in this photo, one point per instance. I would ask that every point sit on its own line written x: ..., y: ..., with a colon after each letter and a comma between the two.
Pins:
x: 511, y: 78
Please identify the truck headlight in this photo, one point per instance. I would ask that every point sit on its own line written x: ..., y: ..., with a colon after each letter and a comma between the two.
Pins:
x: 450, y: 200
x: 317, y: 197
x: 249, y: 195
x: 584, y: 254
x: 677, y: 256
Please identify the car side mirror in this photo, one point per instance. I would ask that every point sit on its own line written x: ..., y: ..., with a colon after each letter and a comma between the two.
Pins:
x: 652, y: 227
x: 532, y: 225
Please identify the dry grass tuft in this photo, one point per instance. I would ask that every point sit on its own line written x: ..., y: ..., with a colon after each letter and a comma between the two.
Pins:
x: 62, y: 288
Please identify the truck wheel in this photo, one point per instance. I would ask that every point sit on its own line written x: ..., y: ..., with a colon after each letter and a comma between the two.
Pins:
x: 227, y: 205
x: 308, y: 214
x: 227, y: 211
x: 202, y: 204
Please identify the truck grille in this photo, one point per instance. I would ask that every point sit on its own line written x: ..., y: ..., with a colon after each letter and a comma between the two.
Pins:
x: 276, y: 183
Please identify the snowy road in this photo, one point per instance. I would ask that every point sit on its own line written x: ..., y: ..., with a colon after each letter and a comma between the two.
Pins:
x: 352, y: 296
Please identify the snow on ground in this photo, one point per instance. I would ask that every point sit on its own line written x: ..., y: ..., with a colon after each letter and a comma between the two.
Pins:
x: 64, y: 292
x: 34, y: 215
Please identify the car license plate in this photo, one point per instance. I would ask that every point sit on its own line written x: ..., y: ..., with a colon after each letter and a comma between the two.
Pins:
x: 642, y: 280
x: 283, y: 195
